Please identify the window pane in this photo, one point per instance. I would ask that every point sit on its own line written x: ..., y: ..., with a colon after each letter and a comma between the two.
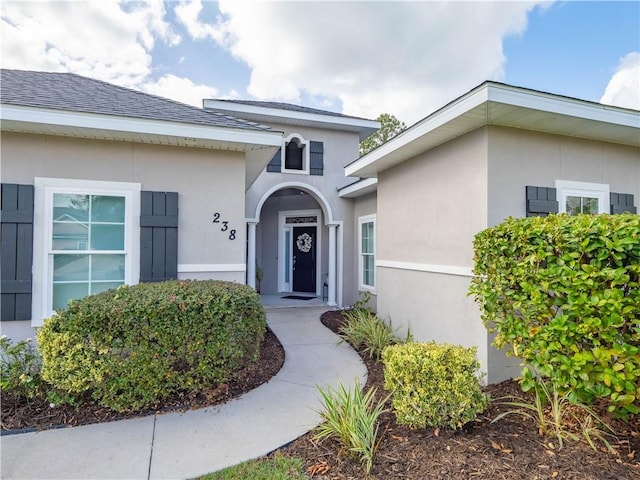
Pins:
x: 287, y: 255
x: 589, y: 205
x: 70, y: 236
x: 574, y: 205
x: 107, y: 209
x: 104, y: 286
x: 368, y: 270
x: 63, y: 292
x: 293, y: 157
x: 107, y: 267
x: 70, y: 208
x: 367, y: 237
x: 577, y: 205
x: 107, y: 237
x: 70, y: 267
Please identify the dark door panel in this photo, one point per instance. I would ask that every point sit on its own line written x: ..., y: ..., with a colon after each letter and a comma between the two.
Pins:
x: 304, y: 259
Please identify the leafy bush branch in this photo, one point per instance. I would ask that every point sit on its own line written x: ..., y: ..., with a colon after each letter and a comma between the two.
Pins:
x: 564, y: 293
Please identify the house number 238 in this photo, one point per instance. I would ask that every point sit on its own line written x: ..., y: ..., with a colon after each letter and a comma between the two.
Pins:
x: 225, y: 226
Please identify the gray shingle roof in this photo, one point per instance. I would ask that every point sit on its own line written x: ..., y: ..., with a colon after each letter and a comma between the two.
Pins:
x: 289, y: 107
x: 74, y: 93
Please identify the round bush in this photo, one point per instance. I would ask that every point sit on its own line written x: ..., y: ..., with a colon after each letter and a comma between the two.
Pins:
x: 433, y: 385
x: 132, y: 347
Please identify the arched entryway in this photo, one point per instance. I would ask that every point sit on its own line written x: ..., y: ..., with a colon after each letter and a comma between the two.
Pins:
x: 293, y: 239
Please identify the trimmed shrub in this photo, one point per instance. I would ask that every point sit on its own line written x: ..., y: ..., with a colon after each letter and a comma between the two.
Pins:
x: 564, y: 292
x: 433, y: 385
x: 132, y: 347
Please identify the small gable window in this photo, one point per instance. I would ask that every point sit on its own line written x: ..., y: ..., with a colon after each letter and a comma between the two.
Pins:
x: 294, y: 155
x: 299, y: 156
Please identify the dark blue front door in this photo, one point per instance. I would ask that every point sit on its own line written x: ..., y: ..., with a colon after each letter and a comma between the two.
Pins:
x: 304, y: 259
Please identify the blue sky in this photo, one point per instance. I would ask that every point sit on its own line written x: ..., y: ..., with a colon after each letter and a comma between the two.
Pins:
x: 360, y: 58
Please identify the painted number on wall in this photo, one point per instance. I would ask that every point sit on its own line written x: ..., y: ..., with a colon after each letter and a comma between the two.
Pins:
x: 225, y: 226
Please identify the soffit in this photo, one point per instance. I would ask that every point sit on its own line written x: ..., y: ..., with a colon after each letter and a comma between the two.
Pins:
x: 507, y: 107
x: 294, y: 118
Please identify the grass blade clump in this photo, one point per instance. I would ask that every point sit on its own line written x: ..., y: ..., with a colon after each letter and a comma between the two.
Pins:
x: 364, y: 330
x: 351, y: 417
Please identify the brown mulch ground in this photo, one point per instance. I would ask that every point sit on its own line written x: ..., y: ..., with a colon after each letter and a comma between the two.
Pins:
x: 21, y: 416
x: 509, y: 449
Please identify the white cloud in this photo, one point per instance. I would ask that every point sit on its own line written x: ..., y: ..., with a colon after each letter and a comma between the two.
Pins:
x: 623, y: 90
x: 188, y: 14
x: 180, y: 89
x: 405, y: 58
x: 105, y: 40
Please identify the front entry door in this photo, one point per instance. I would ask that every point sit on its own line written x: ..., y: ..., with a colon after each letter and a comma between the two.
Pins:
x: 304, y: 259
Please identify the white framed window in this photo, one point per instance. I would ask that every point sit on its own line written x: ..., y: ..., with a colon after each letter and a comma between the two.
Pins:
x: 367, y: 253
x: 86, y: 240
x: 295, y: 155
x: 581, y: 197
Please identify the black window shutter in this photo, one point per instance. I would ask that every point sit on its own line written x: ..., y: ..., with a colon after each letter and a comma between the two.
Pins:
x: 17, y: 251
x: 622, y: 203
x: 158, y: 236
x: 316, y: 153
x: 276, y: 162
x: 541, y: 201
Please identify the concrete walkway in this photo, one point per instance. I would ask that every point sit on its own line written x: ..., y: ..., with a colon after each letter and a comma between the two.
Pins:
x: 189, y: 444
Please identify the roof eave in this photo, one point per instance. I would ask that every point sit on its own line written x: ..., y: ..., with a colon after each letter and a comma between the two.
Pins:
x: 476, y: 109
x: 359, y: 188
x: 26, y: 119
x: 260, y: 114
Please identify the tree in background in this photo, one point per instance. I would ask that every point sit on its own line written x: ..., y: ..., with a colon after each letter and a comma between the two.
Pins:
x: 390, y: 126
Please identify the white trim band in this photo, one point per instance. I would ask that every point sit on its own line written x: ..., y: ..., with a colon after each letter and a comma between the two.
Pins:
x: 212, y: 267
x: 426, y: 267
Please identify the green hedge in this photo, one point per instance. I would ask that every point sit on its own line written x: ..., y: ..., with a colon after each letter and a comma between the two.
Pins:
x: 433, y: 385
x: 564, y: 293
x: 132, y: 347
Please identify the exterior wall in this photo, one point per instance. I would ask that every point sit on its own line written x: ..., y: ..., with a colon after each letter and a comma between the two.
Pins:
x: 207, y: 181
x: 519, y: 158
x: 365, y: 205
x: 429, y: 209
x: 340, y: 148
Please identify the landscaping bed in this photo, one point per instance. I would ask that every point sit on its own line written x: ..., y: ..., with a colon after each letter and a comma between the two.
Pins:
x: 508, y: 449
x: 40, y: 415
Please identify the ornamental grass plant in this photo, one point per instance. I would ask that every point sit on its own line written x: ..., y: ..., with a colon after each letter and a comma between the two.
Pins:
x: 557, y: 416
x: 351, y: 417
x: 364, y: 330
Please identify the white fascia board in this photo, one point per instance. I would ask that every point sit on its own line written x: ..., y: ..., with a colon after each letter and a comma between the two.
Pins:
x: 80, y: 120
x: 275, y: 114
x: 423, y: 127
x: 359, y: 188
x: 565, y: 106
x: 504, y: 94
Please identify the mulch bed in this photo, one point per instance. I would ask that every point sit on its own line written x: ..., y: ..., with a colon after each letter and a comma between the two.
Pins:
x: 508, y: 449
x: 18, y: 416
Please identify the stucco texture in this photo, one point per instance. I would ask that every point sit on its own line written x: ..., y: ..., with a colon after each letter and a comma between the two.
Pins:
x: 207, y: 181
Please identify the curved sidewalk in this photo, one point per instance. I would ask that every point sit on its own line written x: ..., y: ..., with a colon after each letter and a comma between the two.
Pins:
x: 192, y: 443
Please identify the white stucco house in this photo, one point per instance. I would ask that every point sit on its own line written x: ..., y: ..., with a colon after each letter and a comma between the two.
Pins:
x: 102, y: 185
x: 495, y: 152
